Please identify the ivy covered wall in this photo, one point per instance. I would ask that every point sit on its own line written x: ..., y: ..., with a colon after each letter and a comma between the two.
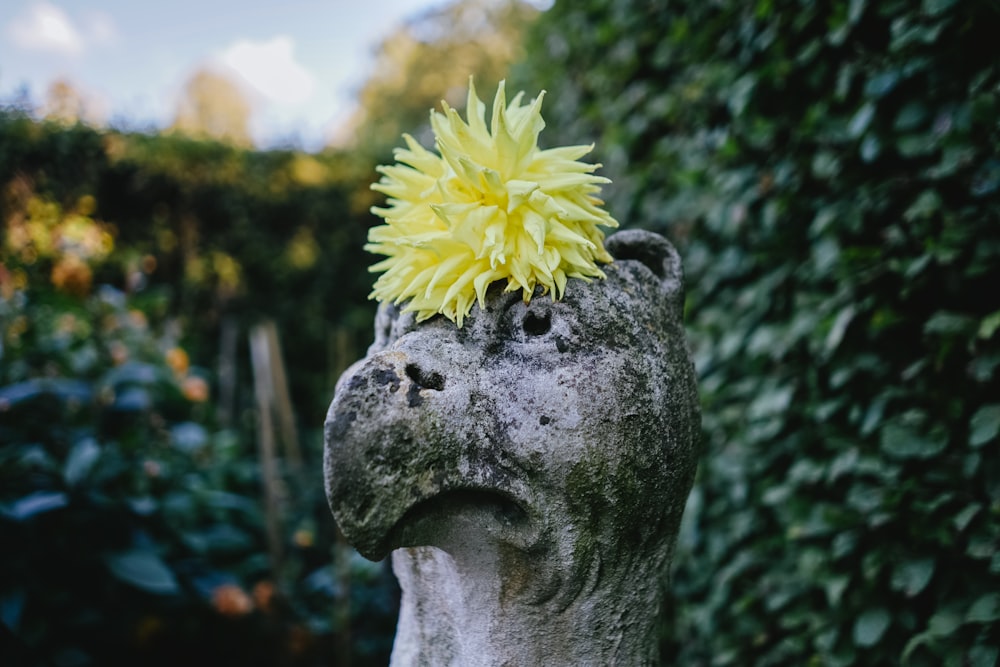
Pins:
x: 830, y: 173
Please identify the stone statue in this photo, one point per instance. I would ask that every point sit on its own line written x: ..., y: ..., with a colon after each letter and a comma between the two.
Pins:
x: 527, y: 471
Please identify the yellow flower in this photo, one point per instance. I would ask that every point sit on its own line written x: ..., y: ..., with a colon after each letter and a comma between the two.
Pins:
x: 489, y: 206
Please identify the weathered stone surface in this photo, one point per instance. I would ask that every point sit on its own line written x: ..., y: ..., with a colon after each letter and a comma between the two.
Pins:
x: 528, y: 471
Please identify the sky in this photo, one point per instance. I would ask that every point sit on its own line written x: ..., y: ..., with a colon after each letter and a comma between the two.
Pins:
x: 300, y: 61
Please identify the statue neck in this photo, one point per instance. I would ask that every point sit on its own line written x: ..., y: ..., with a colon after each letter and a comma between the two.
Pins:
x: 482, y: 606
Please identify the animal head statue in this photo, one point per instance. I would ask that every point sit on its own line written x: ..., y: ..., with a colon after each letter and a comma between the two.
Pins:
x: 547, y: 447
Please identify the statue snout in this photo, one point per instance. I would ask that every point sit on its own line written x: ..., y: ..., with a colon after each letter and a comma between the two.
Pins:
x: 405, y: 447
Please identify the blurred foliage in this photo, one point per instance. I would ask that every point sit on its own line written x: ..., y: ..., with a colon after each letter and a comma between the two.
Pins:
x: 428, y: 59
x: 830, y: 173
x: 227, y: 233
x: 130, y: 511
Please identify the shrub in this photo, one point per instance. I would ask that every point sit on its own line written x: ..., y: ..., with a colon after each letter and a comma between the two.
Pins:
x: 132, y: 525
x: 829, y: 172
x: 131, y: 519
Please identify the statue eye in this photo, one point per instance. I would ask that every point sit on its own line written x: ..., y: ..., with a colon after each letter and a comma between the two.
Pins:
x: 537, y: 324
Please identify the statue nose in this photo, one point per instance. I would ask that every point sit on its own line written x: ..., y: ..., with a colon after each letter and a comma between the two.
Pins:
x: 424, y: 378
x: 424, y: 357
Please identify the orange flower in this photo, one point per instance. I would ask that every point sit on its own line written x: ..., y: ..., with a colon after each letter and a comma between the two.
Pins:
x: 178, y: 361
x: 72, y: 275
x: 195, y: 389
x: 231, y: 600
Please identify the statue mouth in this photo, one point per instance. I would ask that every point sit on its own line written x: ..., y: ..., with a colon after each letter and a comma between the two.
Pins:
x: 466, y: 515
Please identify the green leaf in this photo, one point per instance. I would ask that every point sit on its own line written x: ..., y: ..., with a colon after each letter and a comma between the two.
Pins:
x: 916, y: 642
x: 981, y: 546
x: 741, y: 92
x: 873, y: 415
x: 905, y: 35
x: 912, y: 577
x: 870, y: 626
x: 986, y: 609
x: 35, y: 503
x: 771, y: 402
x: 983, y: 656
x: 81, y: 459
x: 986, y: 181
x: 865, y: 498
x: 915, y: 145
x: 834, y: 588
x: 826, y: 251
x: 935, y: 7
x: 910, y: 117
x: 989, y: 325
x: 142, y: 569
x: 944, y: 622
x: 881, y: 84
x: 944, y: 323
x: 855, y: 9
x: 870, y: 148
x: 925, y: 205
x: 902, y: 441
x: 861, y: 120
x: 839, y: 328
x: 984, y: 425
x: 963, y: 518
x: 984, y: 367
x: 825, y: 165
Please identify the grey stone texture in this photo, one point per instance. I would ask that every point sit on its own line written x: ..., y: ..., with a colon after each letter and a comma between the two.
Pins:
x: 528, y: 471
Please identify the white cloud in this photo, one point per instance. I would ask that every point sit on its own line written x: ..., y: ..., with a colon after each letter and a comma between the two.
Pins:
x: 45, y: 27
x: 271, y: 69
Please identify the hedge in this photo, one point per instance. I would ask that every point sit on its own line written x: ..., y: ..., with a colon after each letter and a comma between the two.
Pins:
x: 131, y: 513
x: 830, y: 174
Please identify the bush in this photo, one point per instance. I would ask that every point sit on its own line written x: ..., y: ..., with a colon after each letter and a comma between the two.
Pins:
x: 829, y: 172
x: 131, y: 516
x: 133, y: 526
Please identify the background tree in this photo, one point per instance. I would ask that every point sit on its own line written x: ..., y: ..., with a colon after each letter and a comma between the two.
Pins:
x: 66, y: 103
x: 212, y: 106
x: 428, y: 59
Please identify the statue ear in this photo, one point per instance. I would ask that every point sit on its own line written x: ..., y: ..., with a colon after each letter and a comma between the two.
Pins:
x: 653, y: 252
x: 385, y: 322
